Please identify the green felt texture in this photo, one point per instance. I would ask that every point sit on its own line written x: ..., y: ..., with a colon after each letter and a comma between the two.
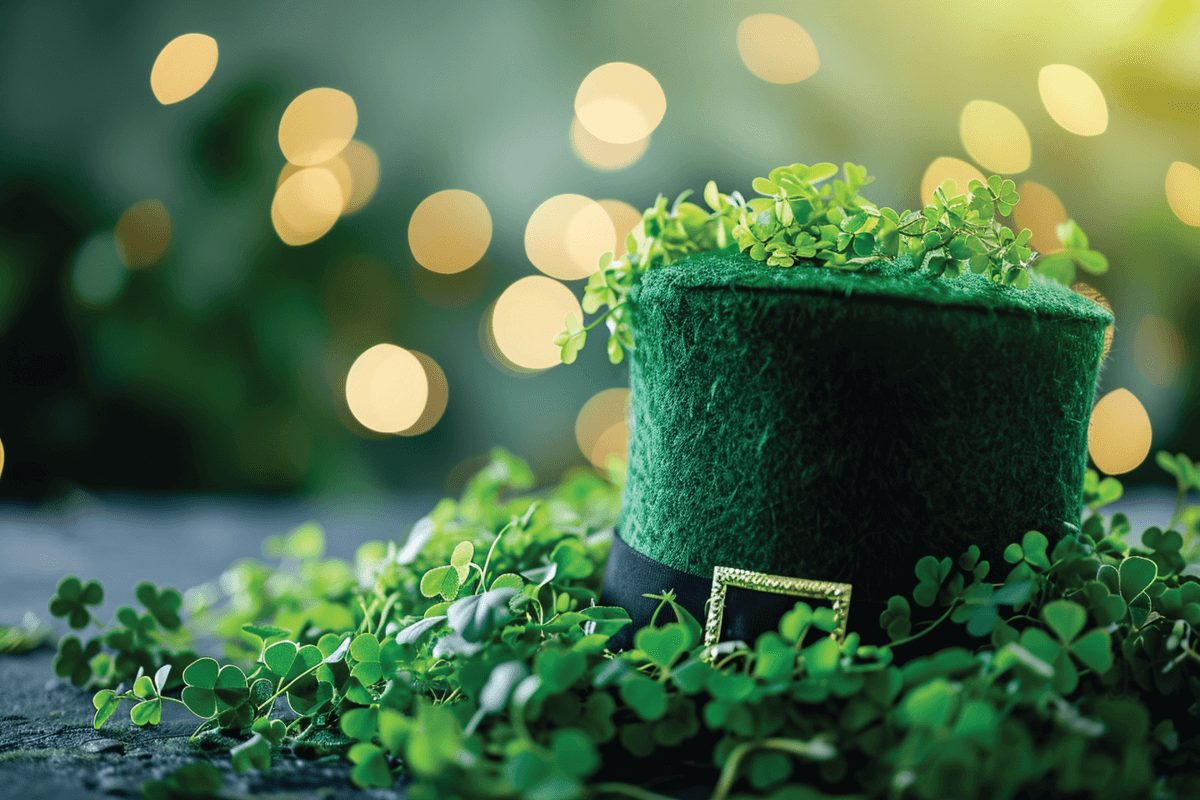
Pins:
x: 840, y: 425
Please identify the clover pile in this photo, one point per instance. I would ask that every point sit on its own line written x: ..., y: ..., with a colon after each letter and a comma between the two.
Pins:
x: 472, y: 660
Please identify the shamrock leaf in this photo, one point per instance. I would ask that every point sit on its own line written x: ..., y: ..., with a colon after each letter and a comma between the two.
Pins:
x: 1031, y: 550
x: 662, y: 645
x: 896, y: 618
x: 72, y: 598
x: 370, y: 766
x: 105, y: 702
x: 931, y: 573
x: 73, y: 660
x: 148, y: 711
x: 291, y: 668
x: 1066, y: 619
x: 162, y: 604
x: 212, y: 690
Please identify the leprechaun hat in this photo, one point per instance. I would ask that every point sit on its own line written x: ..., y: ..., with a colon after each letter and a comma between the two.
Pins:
x: 835, y: 426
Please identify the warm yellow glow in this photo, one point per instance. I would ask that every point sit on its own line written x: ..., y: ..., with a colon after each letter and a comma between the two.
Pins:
x: 336, y: 165
x: 624, y: 219
x: 387, y: 389
x: 777, y: 49
x: 995, y: 137
x: 603, y: 155
x: 306, y: 205
x: 1159, y: 350
x: 439, y: 396
x: 1183, y: 192
x: 1073, y: 99
x: 602, y: 428
x: 1042, y: 212
x: 1119, y: 434
x: 183, y: 67
x: 450, y: 231
x: 1093, y: 294
x: 143, y: 233
x: 525, y: 319
x: 566, y: 236
x: 316, y: 126
x: 363, y: 164
x: 620, y: 103
x: 1, y: 456
x: 946, y: 168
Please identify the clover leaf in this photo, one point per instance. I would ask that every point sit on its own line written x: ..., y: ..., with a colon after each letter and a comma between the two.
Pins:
x: 73, y: 660
x: 252, y: 754
x: 211, y: 689
x: 148, y: 691
x: 163, y: 604
x: 1066, y: 620
x: 72, y: 598
x: 291, y: 668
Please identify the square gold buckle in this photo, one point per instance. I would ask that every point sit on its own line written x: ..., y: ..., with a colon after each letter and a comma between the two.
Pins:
x: 837, y: 594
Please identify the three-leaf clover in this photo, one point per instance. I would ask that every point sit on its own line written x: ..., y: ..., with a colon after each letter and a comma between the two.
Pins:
x: 72, y: 598
x: 212, y: 690
x: 148, y: 691
x: 1066, y: 620
x: 163, y: 604
x: 73, y: 660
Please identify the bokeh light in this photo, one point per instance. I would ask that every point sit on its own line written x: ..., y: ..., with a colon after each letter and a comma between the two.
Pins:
x: 387, y: 389
x: 450, y: 231
x: 143, y: 233
x: 316, y: 126
x: 624, y: 219
x: 1093, y: 294
x: 777, y: 48
x: 336, y: 165
x: 1183, y: 192
x: 97, y: 274
x: 439, y: 397
x: 1119, y: 433
x: 602, y: 155
x: 306, y: 206
x: 1042, y: 212
x: 995, y: 137
x: 526, y: 317
x: 948, y: 168
x: 183, y: 67
x: 567, y: 234
x: 1159, y: 350
x: 602, y: 427
x: 620, y: 103
x: 1073, y: 99
x: 1, y: 456
x: 363, y: 163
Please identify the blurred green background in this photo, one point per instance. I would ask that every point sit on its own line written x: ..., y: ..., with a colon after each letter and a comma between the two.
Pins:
x: 222, y: 366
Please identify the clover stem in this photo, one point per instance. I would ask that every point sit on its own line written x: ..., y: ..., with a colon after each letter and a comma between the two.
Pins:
x: 604, y: 316
x: 283, y: 688
x: 729, y: 772
x: 928, y: 628
x: 383, y: 615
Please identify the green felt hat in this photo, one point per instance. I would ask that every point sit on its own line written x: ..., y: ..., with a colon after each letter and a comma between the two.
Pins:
x: 837, y: 425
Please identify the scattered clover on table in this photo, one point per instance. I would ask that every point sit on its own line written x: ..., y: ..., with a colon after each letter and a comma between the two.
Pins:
x: 473, y: 661
x: 803, y: 218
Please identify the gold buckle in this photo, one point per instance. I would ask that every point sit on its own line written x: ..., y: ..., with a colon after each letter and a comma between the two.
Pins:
x: 837, y: 594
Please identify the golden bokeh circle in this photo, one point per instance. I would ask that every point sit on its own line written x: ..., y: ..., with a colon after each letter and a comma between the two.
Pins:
x: 777, y: 48
x: 1073, y: 99
x: 439, y: 397
x: 947, y: 168
x: 1183, y: 192
x: 1159, y: 350
x: 602, y: 427
x: 1, y: 456
x: 620, y: 103
x: 143, y: 234
x: 566, y: 236
x: 624, y: 219
x: 1119, y: 434
x: 306, y: 206
x: 995, y: 137
x: 450, y: 231
x: 526, y: 317
x: 316, y: 126
x: 363, y: 165
x: 336, y: 165
x: 387, y: 389
x: 1042, y: 212
x: 183, y: 67
x: 602, y: 155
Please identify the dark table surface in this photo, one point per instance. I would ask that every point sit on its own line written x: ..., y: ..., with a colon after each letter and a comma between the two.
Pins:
x: 47, y: 745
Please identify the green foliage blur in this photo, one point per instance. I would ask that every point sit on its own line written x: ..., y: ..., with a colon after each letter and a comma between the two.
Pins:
x: 222, y: 367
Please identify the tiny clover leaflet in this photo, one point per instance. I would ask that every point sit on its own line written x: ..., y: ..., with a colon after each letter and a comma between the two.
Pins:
x: 72, y: 598
x: 291, y: 668
x: 1066, y: 619
x: 73, y: 660
x: 148, y: 692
